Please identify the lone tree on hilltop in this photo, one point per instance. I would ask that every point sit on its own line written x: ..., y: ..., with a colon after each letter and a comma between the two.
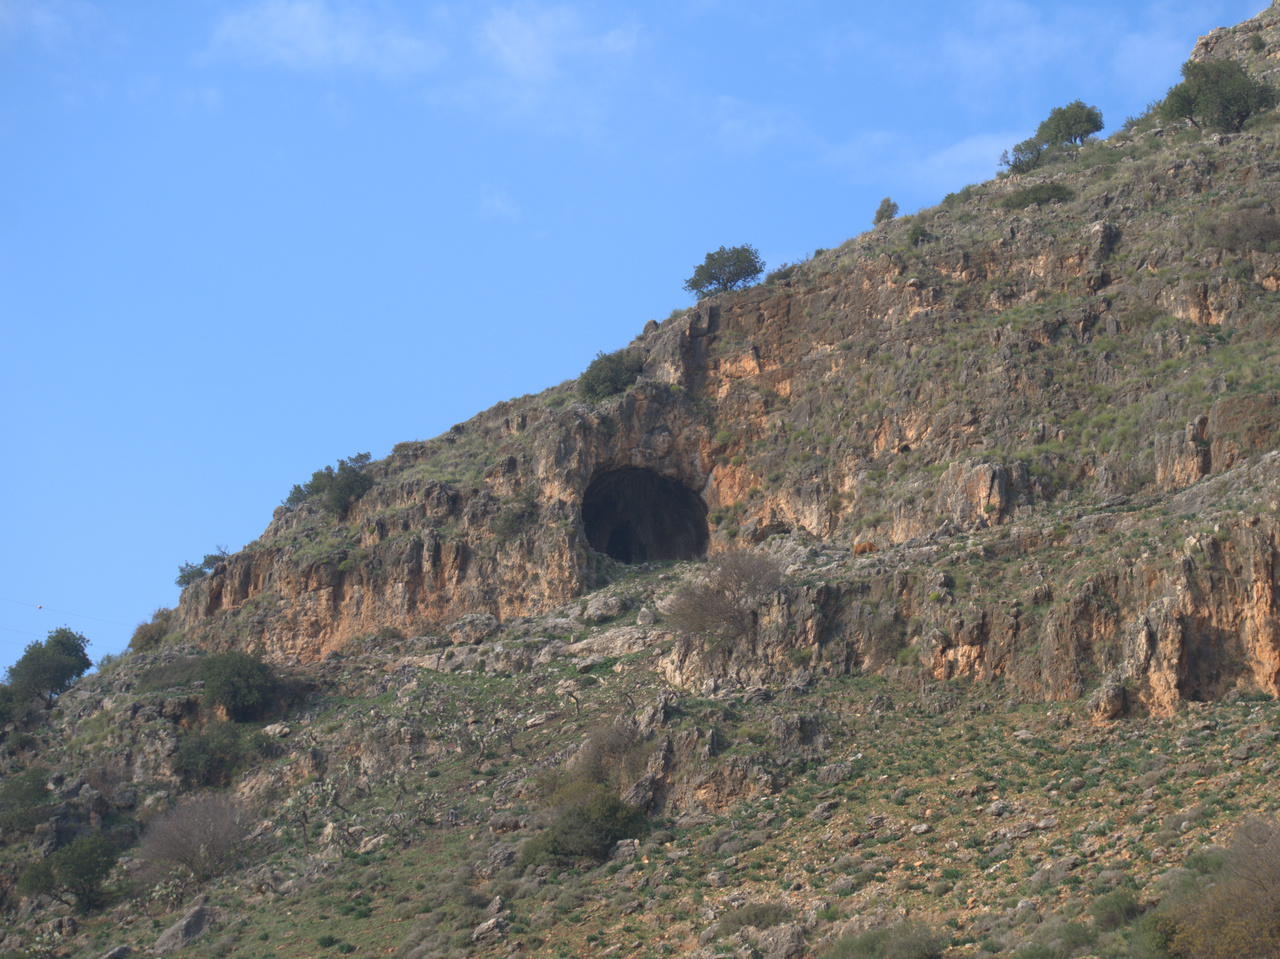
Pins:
x: 49, y: 668
x: 725, y: 270
x: 1218, y: 94
x: 1072, y: 123
x: 887, y: 210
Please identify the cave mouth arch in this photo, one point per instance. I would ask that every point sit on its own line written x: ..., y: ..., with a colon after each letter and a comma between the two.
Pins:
x: 636, y: 516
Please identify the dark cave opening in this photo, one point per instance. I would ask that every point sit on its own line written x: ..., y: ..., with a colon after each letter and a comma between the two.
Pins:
x: 637, y: 516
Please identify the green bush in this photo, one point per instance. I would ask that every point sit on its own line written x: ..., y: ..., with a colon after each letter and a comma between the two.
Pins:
x: 1073, y: 123
x: 516, y: 516
x: 73, y: 874
x: 1025, y: 156
x: 609, y: 374
x: 151, y: 635
x: 762, y: 915
x: 24, y: 800
x: 1218, y: 94
x: 724, y: 270
x: 784, y: 272
x: 241, y: 684
x: 1243, y: 230
x: 47, y: 669
x: 179, y: 671
x: 1115, y: 909
x: 1040, y: 193
x: 336, y: 489
x: 589, y: 819
x: 886, y: 211
x: 210, y: 756
x: 188, y: 573
x: 906, y: 941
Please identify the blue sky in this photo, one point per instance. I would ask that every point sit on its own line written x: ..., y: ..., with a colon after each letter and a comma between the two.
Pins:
x: 239, y: 240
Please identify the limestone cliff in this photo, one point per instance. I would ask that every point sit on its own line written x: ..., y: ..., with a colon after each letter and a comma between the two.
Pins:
x: 1004, y: 397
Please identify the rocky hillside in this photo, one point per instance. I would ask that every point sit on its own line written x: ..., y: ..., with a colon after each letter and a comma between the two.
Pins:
x: 1047, y: 403
x: 1007, y: 474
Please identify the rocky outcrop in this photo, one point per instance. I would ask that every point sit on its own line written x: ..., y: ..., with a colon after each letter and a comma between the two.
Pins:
x: 973, y: 385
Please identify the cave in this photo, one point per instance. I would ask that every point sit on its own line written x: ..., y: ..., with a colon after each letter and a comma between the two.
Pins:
x: 637, y: 516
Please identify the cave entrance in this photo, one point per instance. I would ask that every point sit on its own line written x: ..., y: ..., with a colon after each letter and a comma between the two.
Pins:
x: 637, y: 516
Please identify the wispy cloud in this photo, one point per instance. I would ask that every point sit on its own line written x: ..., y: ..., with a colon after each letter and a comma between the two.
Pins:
x: 533, y: 44
x: 315, y: 35
x: 496, y: 203
x: 543, y: 65
x: 743, y: 128
x: 52, y: 23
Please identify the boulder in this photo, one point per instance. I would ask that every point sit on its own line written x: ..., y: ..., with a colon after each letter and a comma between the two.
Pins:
x: 185, y: 931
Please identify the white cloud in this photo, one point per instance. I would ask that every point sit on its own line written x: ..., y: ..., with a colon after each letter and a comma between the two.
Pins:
x: 742, y: 128
x: 496, y: 203
x: 53, y: 23
x: 313, y: 35
x: 531, y: 44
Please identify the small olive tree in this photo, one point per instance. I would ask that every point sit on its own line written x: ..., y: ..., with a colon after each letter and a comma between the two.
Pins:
x: 609, y: 374
x: 724, y: 270
x: 719, y: 605
x: 74, y: 874
x: 886, y: 211
x: 1218, y: 94
x: 1072, y: 123
x: 47, y: 669
x: 241, y: 684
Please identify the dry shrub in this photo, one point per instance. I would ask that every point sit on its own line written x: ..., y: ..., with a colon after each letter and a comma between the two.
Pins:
x: 1242, y: 230
x: 613, y: 755
x: 203, y: 836
x: 1239, y: 917
x: 152, y: 635
x: 719, y: 605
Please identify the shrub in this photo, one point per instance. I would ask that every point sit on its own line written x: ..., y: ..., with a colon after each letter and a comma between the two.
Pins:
x: 1025, y: 156
x: 1072, y: 123
x: 336, y: 489
x: 1240, y: 914
x: 592, y: 820
x: 151, y: 635
x: 47, y: 669
x: 762, y: 915
x: 203, y: 836
x: 906, y: 941
x: 24, y: 800
x: 188, y: 573
x: 1243, y: 230
x: 719, y: 605
x: 241, y: 684
x: 1040, y: 193
x: 724, y: 270
x: 784, y: 272
x: 178, y: 671
x: 77, y: 870
x: 1217, y: 93
x: 615, y: 756
x: 886, y: 211
x: 609, y: 374
x: 209, y: 756
x: 589, y: 819
x: 1115, y: 909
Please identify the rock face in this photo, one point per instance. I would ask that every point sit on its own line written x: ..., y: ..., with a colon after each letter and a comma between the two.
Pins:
x: 1016, y: 389
x: 185, y: 931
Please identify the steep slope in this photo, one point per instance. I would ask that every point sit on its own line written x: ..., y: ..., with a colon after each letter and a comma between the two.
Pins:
x: 991, y: 364
x: 1002, y: 451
